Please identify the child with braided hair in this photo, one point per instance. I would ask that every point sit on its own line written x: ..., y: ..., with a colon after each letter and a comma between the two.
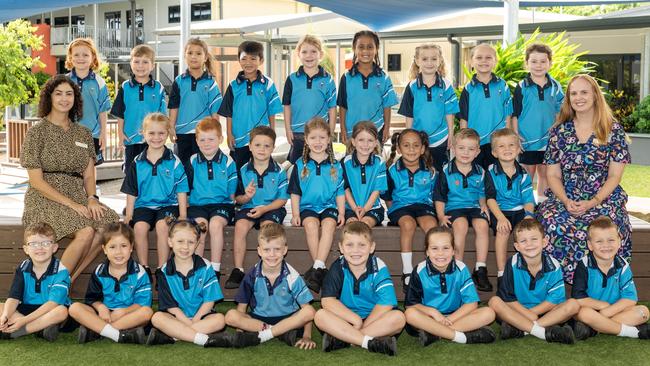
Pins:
x: 317, y: 198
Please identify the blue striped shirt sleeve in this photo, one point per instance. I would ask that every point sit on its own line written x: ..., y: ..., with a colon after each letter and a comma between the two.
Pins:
x: 384, y: 288
x: 211, y: 290
x: 555, y: 293
x: 468, y: 292
x: 143, y: 293
x: 283, y: 185
x: 389, y: 98
x: 628, y: 288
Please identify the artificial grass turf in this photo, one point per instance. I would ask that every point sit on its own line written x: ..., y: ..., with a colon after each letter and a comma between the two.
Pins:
x: 601, y: 350
x: 635, y: 180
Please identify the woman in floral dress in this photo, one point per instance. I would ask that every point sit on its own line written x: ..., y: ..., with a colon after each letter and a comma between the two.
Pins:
x: 586, y: 156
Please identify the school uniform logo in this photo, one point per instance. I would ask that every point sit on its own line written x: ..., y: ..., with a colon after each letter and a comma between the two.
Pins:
x: 168, y: 173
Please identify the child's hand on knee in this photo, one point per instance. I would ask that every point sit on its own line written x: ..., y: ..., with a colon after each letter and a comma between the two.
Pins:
x: 305, y: 343
x: 444, y: 221
x: 295, y: 220
x: 503, y: 226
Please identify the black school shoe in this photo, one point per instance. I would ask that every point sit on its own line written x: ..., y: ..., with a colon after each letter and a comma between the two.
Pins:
x: 481, y: 335
x: 644, y: 331
x: 133, y: 336
x: 289, y: 337
x: 50, y: 333
x: 426, y: 338
x: 86, y: 335
x: 314, y: 278
x: 385, y: 345
x: 510, y: 332
x: 245, y: 339
x: 406, y: 279
x: 582, y: 331
x: 480, y: 277
x: 5, y: 336
x: 157, y: 337
x: 221, y: 339
x: 332, y: 344
x: 560, y: 334
x: 235, y: 278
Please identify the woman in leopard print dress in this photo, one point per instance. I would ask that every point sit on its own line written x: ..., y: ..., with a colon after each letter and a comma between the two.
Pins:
x: 59, y: 156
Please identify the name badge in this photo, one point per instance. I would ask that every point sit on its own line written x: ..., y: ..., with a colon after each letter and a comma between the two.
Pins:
x: 81, y: 144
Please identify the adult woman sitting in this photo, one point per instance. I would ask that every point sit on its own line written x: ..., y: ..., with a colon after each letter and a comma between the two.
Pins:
x: 585, y: 158
x: 59, y: 156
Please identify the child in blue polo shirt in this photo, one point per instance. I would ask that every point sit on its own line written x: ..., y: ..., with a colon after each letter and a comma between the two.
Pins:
x: 118, y: 299
x: 365, y: 176
x: 604, y: 287
x: 317, y: 197
x: 212, y: 177
x: 485, y: 102
x: 429, y: 102
x: 365, y: 92
x: 358, y: 300
x: 262, y: 192
x: 442, y: 301
x: 251, y: 100
x: 536, y: 103
x: 308, y: 92
x: 195, y: 95
x: 138, y: 97
x: 82, y: 60
x: 187, y: 291
x: 156, y: 187
x: 531, y: 299
x: 277, y: 296
x: 409, y: 196
x: 38, y: 297
x: 509, y: 192
x: 460, y: 201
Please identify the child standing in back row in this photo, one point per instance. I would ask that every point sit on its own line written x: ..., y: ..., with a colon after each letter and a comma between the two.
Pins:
x: 195, y: 95
x: 83, y: 61
x: 365, y: 92
x: 309, y: 92
x: 429, y: 102
x: 485, y: 103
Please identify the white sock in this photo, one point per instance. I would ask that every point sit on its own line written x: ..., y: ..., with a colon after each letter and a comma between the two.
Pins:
x: 500, y: 274
x: 366, y: 339
x: 216, y: 266
x: 407, y: 262
x: 200, y: 339
x: 459, y: 337
x: 318, y: 264
x: 628, y: 331
x: 265, y: 335
x: 241, y: 268
x: 480, y: 264
x: 537, y: 331
x: 110, y: 333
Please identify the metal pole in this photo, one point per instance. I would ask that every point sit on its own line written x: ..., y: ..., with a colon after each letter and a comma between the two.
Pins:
x: 185, y: 33
x: 132, y: 34
x: 645, y: 69
x: 511, y: 21
x: 338, y: 62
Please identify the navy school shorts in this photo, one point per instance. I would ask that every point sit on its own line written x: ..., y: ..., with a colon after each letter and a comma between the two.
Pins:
x: 468, y: 213
x: 152, y: 216
x: 276, y: 216
x: 513, y: 216
x: 415, y: 211
x: 531, y: 157
x: 327, y: 213
x: 376, y: 213
x: 227, y: 211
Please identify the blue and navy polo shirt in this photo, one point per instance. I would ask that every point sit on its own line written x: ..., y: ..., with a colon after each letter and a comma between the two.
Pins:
x: 363, y: 179
x: 407, y: 188
x: 96, y: 100
x: 134, y: 101
x: 194, y: 99
x: 457, y: 190
x: 319, y: 189
x: 282, y: 298
x: 211, y: 181
x: 364, y: 98
x: 133, y: 287
x: 616, y: 284
x: 308, y: 97
x: 535, y: 108
x: 518, y: 284
x: 189, y: 292
x: 444, y: 291
x: 485, y: 107
x: 429, y: 107
x: 511, y: 193
x: 361, y: 295
x: 271, y: 185
x: 156, y: 184
x: 54, y: 284
x: 249, y: 104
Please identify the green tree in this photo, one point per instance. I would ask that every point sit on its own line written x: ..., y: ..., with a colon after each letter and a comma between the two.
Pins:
x: 587, y: 10
x: 18, y: 85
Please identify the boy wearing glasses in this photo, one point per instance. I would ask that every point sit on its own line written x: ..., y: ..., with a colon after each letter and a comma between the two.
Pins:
x: 38, y: 298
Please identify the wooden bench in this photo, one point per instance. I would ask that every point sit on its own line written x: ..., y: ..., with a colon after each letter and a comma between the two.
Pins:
x: 387, y: 248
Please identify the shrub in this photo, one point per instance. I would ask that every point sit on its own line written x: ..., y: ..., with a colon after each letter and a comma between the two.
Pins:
x: 640, y: 117
x: 622, y: 106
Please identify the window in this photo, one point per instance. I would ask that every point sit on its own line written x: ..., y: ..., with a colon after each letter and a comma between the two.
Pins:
x: 174, y: 14
x: 622, y: 72
x: 60, y: 21
x: 202, y: 11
